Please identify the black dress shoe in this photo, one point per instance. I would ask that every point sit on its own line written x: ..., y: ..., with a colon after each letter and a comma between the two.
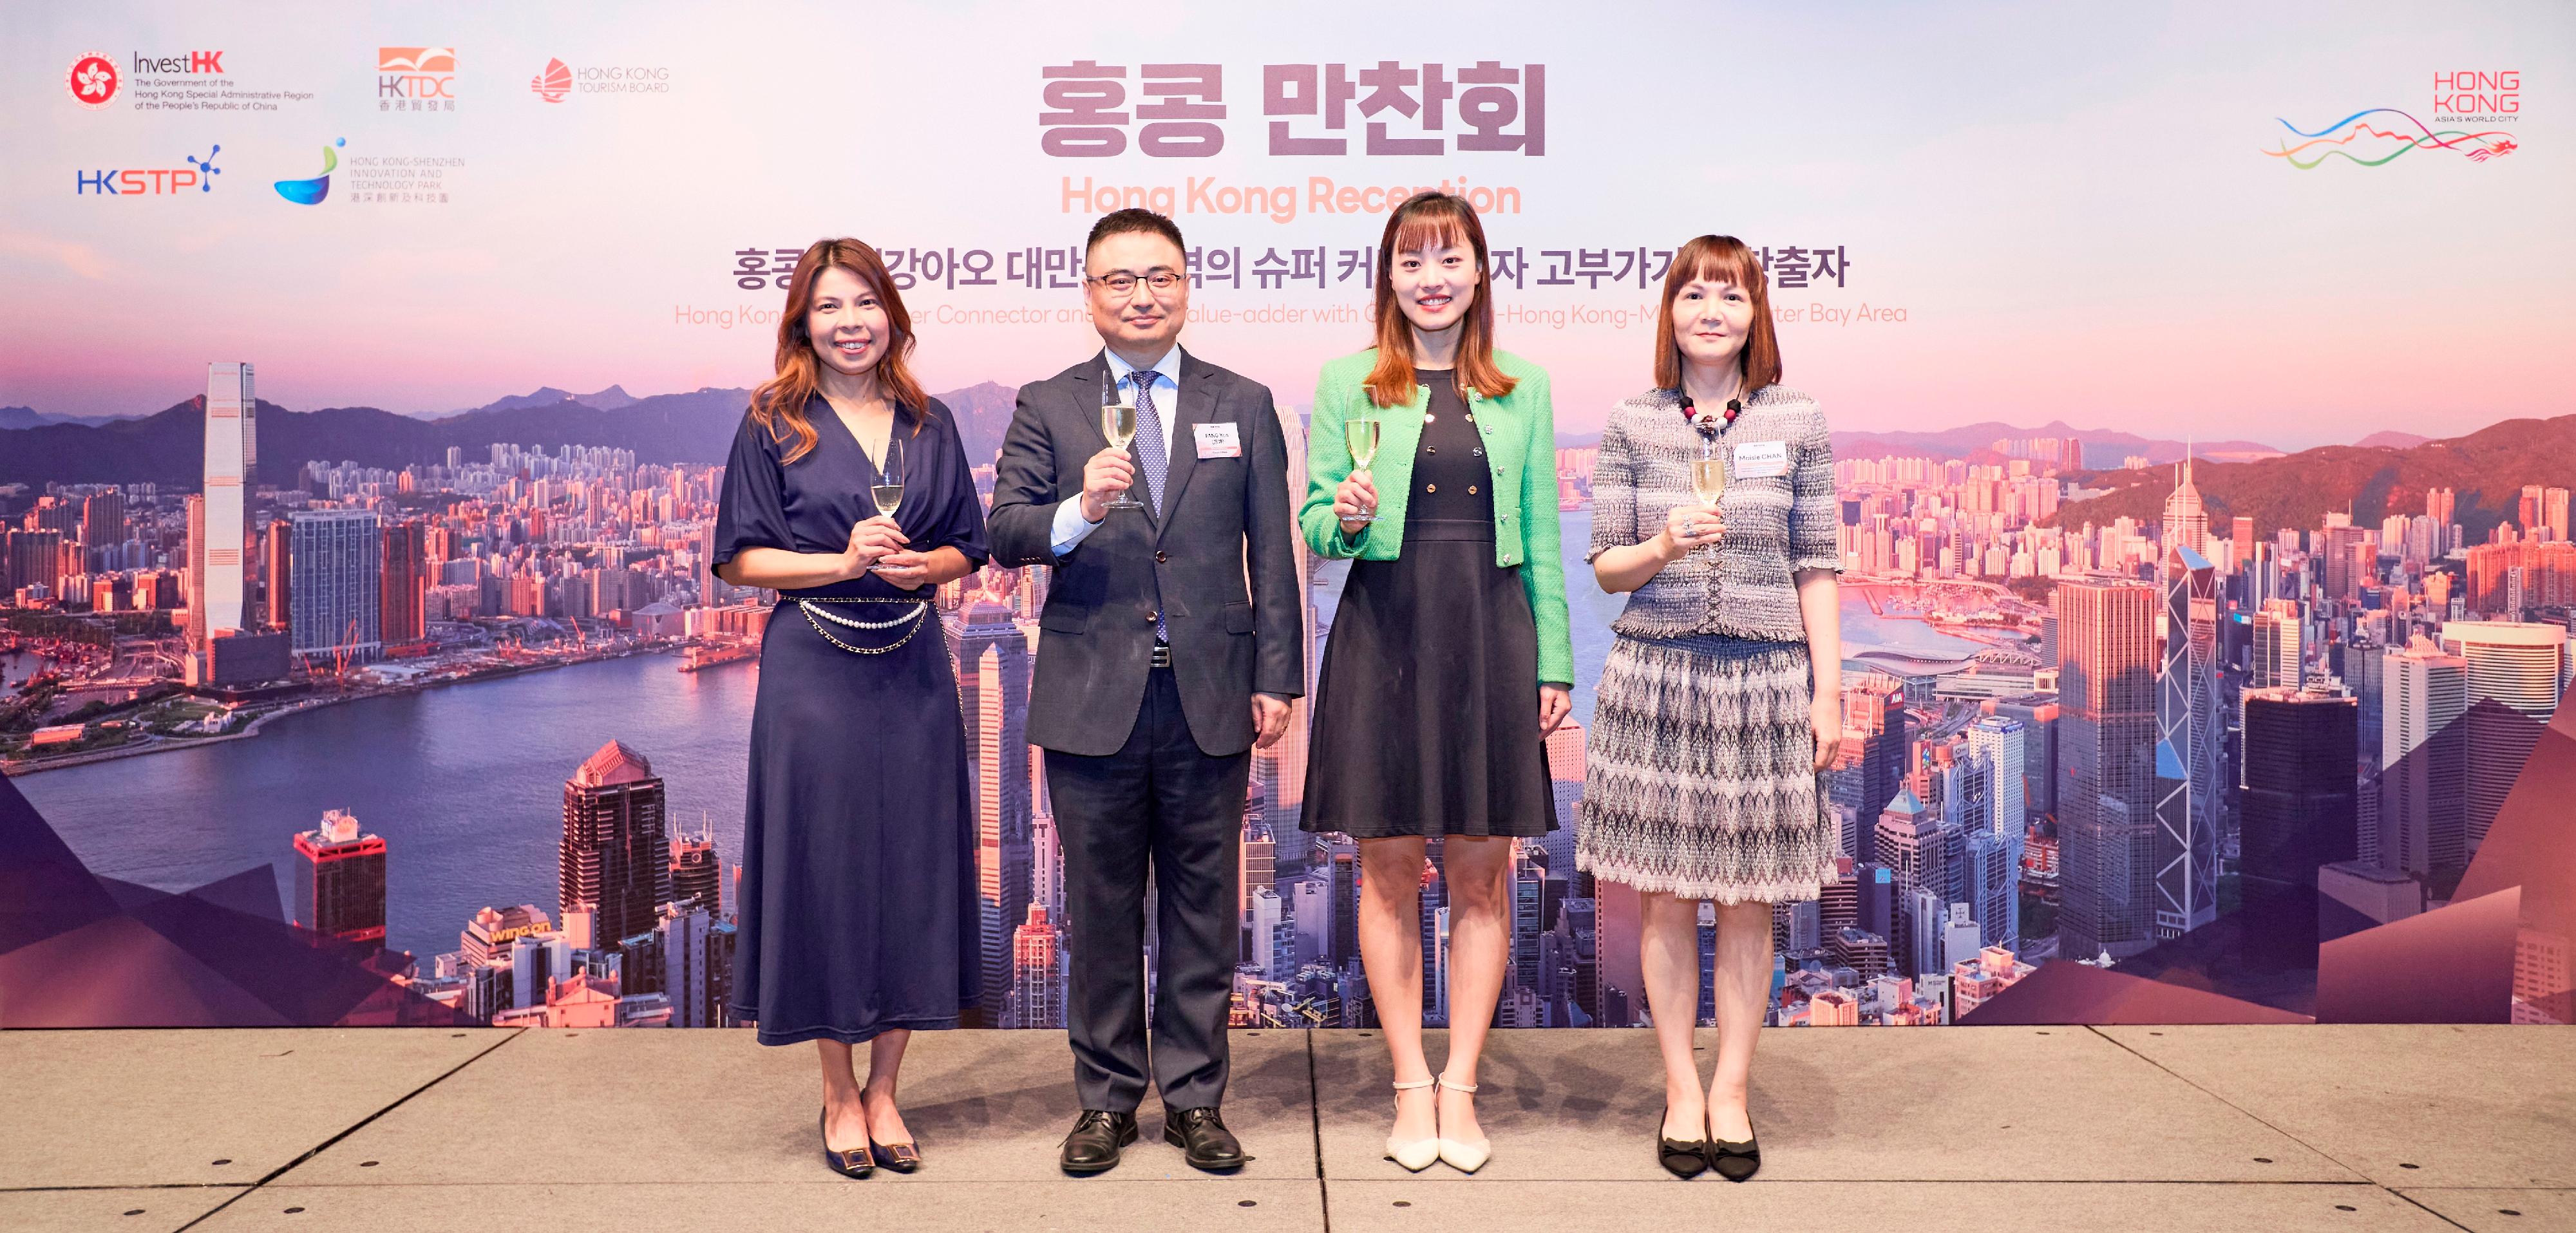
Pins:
x: 855, y: 1163
x: 1681, y: 1158
x: 900, y: 1157
x: 1097, y: 1136
x: 1203, y: 1139
x: 1736, y: 1162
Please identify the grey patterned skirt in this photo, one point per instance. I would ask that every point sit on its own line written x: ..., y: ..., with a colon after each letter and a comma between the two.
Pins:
x: 1699, y: 775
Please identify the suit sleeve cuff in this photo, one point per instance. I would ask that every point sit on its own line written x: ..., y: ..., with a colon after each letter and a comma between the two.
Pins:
x: 1070, y: 526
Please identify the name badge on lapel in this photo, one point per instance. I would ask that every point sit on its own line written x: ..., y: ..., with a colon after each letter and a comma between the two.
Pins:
x: 1761, y: 459
x: 1217, y: 441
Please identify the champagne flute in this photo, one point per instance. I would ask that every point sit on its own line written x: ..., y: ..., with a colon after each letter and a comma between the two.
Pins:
x: 1360, y: 433
x: 1708, y: 474
x: 887, y: 491
x: 1118, y: 423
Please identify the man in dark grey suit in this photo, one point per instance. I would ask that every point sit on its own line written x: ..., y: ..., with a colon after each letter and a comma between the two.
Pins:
x: 1169, y: 647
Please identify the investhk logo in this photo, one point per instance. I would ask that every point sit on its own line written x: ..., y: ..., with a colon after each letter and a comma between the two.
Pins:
x: 151, y: 181
x: 311, y: 192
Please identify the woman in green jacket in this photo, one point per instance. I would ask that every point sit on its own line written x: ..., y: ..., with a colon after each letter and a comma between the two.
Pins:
x: 1448, y: 663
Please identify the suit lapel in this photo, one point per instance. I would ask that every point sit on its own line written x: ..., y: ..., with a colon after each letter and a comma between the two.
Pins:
x: 1087, y: 385
x: 1197, y: 403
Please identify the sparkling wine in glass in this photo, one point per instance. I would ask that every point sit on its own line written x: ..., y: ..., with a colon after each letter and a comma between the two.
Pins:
x: 1708, y: 476
x: 1361, y: 435
x: 1118, y: 423
x: 886, y: 492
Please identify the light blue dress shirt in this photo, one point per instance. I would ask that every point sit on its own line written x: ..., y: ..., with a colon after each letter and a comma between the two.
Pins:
x: 1070, y: 526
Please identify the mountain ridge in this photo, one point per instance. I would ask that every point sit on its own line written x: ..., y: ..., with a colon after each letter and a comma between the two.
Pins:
x: 2486, y: 471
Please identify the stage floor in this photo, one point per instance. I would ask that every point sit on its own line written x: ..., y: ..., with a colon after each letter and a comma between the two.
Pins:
x: 2262, y: 1129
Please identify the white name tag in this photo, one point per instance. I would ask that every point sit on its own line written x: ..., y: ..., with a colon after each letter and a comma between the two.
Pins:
x: 1217, y: 441
x: 1761, y: 459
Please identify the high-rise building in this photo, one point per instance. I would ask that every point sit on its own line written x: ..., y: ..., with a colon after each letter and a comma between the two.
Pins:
x: 340, y: 881
x: 2422, y: 756
x: 697, y: 952
x: 993, y: 676
x: 103, y: 519
x: 277, y: 612
x: 1037, y: 968
x: 2106, y: 745
x: 2276, y: 655
x: 615, y: 859
x: 1565, y: 770
x: 405, y: 586
x: 2524, y: 667
x: 2189, y: 729
x: 696, y: 875
x: 1874, y: 707
x: 2301, y: 803
x: 333, y: 583
x: 216, y: 527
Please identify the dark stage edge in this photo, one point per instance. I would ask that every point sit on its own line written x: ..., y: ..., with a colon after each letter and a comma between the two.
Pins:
x: 2263, y: 1129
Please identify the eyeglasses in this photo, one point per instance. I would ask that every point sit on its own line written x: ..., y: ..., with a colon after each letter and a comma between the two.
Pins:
x: 1123, y: 283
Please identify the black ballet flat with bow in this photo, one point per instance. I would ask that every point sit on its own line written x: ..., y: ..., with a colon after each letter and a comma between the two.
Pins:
x: 1736, y: 1162
x: 1682, y: 1159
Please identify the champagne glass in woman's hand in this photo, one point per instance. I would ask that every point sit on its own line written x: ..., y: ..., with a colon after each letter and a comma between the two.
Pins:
x: 886, y: 492
x: 870, y: 541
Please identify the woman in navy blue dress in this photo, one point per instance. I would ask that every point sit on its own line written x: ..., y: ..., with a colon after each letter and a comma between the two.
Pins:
x: 858, y: 885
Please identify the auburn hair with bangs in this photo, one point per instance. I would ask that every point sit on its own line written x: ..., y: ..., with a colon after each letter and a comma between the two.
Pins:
x: 1427, y: 219
x: 1719, y: 259
x: 779, y: 404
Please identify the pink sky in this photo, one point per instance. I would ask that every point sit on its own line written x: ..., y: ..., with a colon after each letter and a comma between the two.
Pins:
x: 2072, y: 211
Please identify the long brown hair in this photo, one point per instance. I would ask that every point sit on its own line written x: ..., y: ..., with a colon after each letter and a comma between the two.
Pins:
x: 1427, y: 218
x: 1719, y: 258
x: 779, y: 404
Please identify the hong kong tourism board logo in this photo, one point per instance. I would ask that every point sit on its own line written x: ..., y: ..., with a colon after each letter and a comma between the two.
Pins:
x: 93, y: 80
x: 558, y: 80
x: 415, y: 79
x: 2472, y: 110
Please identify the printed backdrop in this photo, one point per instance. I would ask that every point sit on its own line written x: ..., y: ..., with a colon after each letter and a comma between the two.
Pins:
x: 2027, y: 258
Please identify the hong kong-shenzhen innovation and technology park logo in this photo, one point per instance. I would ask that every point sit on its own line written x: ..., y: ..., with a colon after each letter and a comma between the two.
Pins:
x: 2377, y: 136
x: 311, y: 192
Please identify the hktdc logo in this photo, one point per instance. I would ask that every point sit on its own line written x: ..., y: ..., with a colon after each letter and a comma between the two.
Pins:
x: 93, y: 80
x: 151, y: 181
x: 415, y: 73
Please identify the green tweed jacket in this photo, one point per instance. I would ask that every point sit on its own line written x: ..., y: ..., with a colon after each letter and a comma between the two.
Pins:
x: 1520, y: 449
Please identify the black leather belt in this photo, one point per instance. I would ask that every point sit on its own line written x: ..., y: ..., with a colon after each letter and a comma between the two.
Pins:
x: 1162, y: 655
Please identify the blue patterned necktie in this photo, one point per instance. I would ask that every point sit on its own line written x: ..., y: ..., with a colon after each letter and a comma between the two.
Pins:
x: 1154, y: 460
x: 1153, y: 456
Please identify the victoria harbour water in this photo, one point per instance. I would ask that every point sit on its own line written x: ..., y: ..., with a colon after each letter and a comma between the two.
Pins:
x: 465, y: 782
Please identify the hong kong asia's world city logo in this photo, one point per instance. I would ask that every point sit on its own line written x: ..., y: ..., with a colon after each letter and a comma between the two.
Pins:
x: 2470, y: 110
x: 311, y: 192
x: 554, y: 83
x: 93, y: 80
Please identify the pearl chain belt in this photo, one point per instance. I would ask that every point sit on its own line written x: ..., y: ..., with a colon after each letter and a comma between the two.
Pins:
x: 812, y: 609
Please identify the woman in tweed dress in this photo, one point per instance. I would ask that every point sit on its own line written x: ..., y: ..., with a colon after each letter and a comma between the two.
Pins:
x: 1721, y: 700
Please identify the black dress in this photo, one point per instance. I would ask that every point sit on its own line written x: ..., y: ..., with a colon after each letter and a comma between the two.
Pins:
x: 1426, y: 710
x: 857, y: 911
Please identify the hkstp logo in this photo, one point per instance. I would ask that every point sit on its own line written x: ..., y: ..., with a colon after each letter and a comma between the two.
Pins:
x: 151, y: 181
x: 554, y: 83
x: 93, y: 80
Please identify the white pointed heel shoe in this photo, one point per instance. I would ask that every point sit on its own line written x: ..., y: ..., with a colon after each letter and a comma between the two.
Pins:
x: 1463, y: 1156
x: 1420, y: 1153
